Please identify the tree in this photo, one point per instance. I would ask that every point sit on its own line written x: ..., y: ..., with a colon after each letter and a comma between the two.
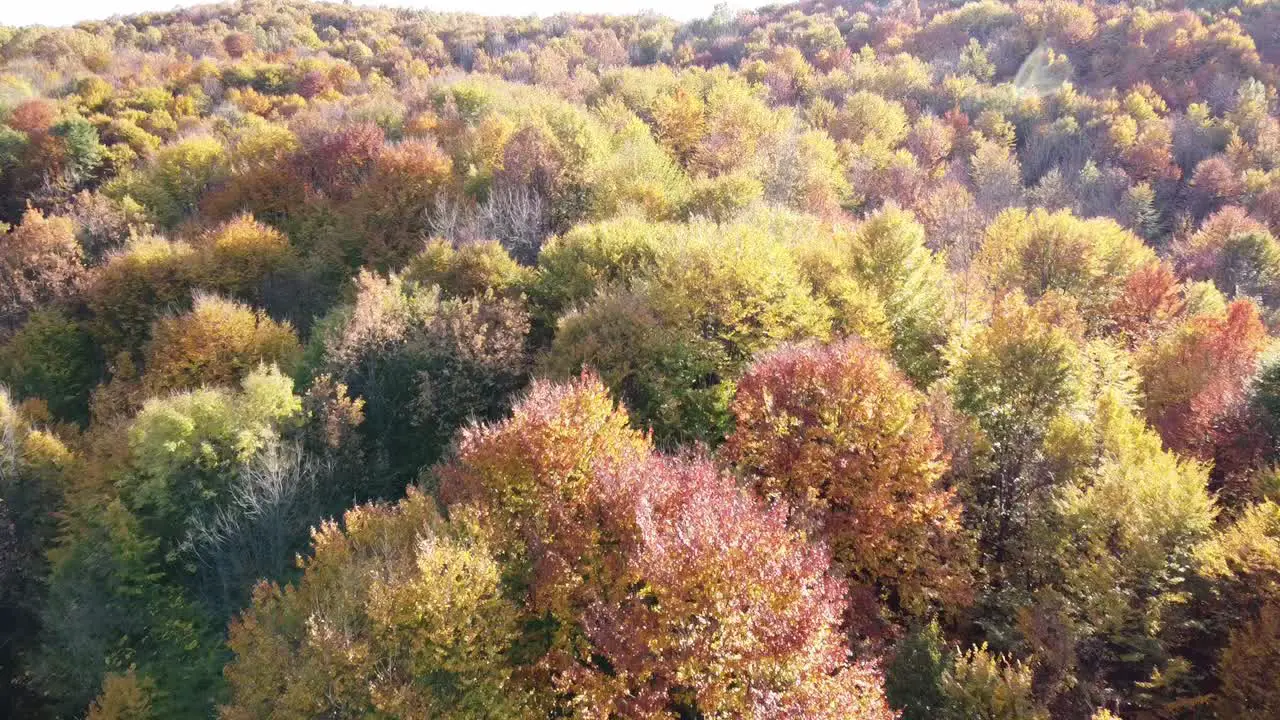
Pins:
x: 33, y: 475
x: 887, y: 253
x: 914, y: 676
x: 217, y: 343
x: 1243, y: 559
x: 1128, y: 517
x: 186, y: 449
x: 435, y: 633
x: 1014, y: 378
x: 746, y: 301
x: 871, y: 120
x: 986, y: 686
x: 1139, y: 211
x: 423, y: 365
x: 627, y: 555
x: 124, y: 697
x: 333, y: 161
x: 673, y: 347
x: 171, y: 187
x: 239, y: 256
x: 237, y: 44
x: 1150, y: 303
x: 1239, y: 571
x: 637, y: 175
x: 275, y: 497
x: 724, y: 197
x: 574, y: 267
x: 227, y: 482
x: 1248, y: 668
x: 1039, y: 251
x: 109, y: 610
x: 54, y: 359
x: 469, y: 270
x: 680, y: 123
x: 806, y: 174
x: 407, y: 182
x: 1196, y: 376
x: 668, y: 376
x: 1215, y: 183
x: 738, y: 123
x: 931, y: 140
x: 40, y: 264
x: 841, y: 436
x: 83, y: 154
x: 996, y: 176
x: 1234, y: 251
x: 134, y: 287
x: 104, y: 225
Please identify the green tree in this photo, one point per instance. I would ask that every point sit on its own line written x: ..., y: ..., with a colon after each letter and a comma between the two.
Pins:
x: 174, y: 182
x: 109, y: 610
x: 1014, y: 378
x: 674, y: 345
x: 34, y: 467
x: 914, y: 675
x: 52, y: 358
x: 423, y: 365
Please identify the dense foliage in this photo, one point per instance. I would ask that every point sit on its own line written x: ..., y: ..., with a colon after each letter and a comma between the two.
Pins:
x: 824, y: 360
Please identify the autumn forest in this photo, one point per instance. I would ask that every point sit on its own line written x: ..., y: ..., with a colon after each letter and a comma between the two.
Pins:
x: 910, y: 359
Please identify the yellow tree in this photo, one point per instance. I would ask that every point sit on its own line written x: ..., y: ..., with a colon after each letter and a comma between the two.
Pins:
x: 217, y: 343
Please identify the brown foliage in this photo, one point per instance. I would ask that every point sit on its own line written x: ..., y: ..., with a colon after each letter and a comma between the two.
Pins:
x: 40, y: 263
x: 237, y: 44
x: 217, y: 343
x: 692, y: 597
x: 838, y: 433
x: 1149, y: 303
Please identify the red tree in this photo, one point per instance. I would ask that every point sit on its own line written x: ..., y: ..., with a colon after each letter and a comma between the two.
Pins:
x: 840, y: 434
x: 1196, y: 377
x: 1150, y: 303
x: 333, y: 161
x: 674, y: 592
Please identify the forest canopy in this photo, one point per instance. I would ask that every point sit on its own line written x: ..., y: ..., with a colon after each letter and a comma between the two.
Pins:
x: 828, y: 360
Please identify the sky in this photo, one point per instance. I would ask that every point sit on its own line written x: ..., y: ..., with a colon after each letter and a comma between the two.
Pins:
x: 67, y: 12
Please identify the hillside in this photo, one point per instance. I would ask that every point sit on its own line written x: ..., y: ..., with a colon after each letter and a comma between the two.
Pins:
x: 825, y: 361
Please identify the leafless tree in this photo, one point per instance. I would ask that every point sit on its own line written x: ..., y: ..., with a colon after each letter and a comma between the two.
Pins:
x: 278, y: 497
x: 516, y: 217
